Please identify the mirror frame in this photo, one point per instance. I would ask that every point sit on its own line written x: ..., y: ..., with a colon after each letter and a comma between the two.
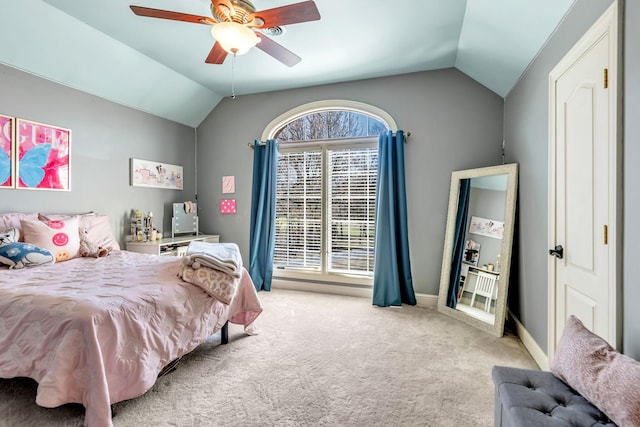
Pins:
x: 511, y: 170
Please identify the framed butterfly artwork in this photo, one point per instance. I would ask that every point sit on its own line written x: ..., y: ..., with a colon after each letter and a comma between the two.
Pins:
x: 43, y: 156
x: 7, y: 148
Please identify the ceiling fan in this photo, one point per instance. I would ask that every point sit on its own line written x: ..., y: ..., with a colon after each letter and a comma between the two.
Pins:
x: 234, y: 24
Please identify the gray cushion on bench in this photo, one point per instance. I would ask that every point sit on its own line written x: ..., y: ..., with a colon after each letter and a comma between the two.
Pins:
x: 526, y: 397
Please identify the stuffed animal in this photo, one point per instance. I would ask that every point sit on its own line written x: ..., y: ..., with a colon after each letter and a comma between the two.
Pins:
x: 19, y: 255
x: 89, y: 248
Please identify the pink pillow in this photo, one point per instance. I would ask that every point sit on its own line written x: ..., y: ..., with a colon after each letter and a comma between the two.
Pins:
x: 98, y: 228
x: 12, y: 220
x: 606, y: 378
x: 60, y: 237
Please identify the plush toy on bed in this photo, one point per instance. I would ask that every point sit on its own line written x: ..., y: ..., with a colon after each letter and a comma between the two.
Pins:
x: 17, y: 254
x: 89, y: 248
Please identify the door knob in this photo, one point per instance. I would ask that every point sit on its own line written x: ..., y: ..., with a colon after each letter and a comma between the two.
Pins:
x: 557, y: 252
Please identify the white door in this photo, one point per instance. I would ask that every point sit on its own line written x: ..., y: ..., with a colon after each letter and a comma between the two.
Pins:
x: 582, y: 185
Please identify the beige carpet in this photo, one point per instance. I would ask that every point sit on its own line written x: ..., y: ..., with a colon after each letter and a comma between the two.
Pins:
x: 319, y: 360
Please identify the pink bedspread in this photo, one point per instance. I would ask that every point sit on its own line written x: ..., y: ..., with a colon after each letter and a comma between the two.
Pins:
x: 98, y: 331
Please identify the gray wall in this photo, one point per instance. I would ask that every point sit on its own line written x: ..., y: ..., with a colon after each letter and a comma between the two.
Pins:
x: 104, y: 137
x: 526, y: 139
x: 631, y: 269
x: 455, y: 123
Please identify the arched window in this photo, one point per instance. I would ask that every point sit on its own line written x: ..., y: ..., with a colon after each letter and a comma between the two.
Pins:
x: 326, y: 188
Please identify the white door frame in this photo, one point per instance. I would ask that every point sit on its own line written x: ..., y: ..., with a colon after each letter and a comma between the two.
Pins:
x: 608, y: 22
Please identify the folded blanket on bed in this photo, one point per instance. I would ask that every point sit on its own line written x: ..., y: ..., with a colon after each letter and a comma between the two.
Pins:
x: 218, y: 284
x: 224, y: 257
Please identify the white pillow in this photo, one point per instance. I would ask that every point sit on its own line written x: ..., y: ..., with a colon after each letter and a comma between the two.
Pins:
x: 60, y: 237
x: 98, y: 228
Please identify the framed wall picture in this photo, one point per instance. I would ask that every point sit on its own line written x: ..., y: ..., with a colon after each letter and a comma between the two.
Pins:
x: 486, y: 227
x: 43, y: 156
x: 150, y: 173
x: 228, y: 206
x: 228, y: 184
x: 7, y: 150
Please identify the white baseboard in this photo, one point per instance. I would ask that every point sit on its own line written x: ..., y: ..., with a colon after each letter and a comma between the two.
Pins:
x: 427, y: 300
x: 530, y: 344
x: 323, y: 288
x: 422, y: 300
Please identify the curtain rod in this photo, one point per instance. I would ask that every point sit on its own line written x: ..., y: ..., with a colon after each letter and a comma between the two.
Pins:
x: 262, y: 143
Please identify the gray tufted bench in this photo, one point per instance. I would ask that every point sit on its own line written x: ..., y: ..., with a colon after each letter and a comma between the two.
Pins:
x: 530, y: 398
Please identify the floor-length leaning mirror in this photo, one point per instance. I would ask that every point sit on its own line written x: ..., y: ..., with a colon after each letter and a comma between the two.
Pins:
x: 477, y: 249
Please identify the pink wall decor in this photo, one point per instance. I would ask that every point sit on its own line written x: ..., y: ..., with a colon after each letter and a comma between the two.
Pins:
x: 228, y: 184
x: 7, y: 150
x: 43, y: 156
x: 228, y: 206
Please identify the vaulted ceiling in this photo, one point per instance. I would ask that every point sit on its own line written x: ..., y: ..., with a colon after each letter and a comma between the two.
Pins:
x: 158, y: 65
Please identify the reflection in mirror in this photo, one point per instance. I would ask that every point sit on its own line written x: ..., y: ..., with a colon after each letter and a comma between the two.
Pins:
x: 478, y: 240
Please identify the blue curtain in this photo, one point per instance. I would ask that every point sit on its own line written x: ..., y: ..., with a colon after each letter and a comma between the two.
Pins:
x: 459, y: 242
x: 392, y: 282
x: 263, y: 214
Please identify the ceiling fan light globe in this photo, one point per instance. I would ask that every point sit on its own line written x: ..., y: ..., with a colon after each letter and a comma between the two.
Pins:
x: 234, y: 38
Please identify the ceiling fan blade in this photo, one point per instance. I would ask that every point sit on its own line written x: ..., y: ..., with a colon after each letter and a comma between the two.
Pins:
x: 278, y: 51
x: 217, y: 55
x: 291, y: 14
x: 174, y: 16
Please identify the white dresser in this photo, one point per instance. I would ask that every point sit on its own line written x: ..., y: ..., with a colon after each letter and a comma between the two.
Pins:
x: 170, y: 245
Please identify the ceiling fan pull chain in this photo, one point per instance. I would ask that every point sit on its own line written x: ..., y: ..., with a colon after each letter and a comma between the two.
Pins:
x: 233, y: 84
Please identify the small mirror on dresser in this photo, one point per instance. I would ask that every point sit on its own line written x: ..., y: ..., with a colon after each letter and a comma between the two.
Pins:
x: 184, y: 219
x: 477, y: 250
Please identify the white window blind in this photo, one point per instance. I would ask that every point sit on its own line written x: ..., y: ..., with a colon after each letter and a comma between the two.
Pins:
x: 351, y: 213
x: 326, y: 191
x: 350, y: 210
x: 298, y: 240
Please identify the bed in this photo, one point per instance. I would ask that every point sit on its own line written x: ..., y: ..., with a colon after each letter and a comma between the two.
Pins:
x: 97, y: 331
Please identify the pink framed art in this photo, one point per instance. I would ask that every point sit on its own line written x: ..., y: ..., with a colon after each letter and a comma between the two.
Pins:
x: 228, y: 206
x: 7, y: 147
x: 43, y: 156
x: 228, y: 184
